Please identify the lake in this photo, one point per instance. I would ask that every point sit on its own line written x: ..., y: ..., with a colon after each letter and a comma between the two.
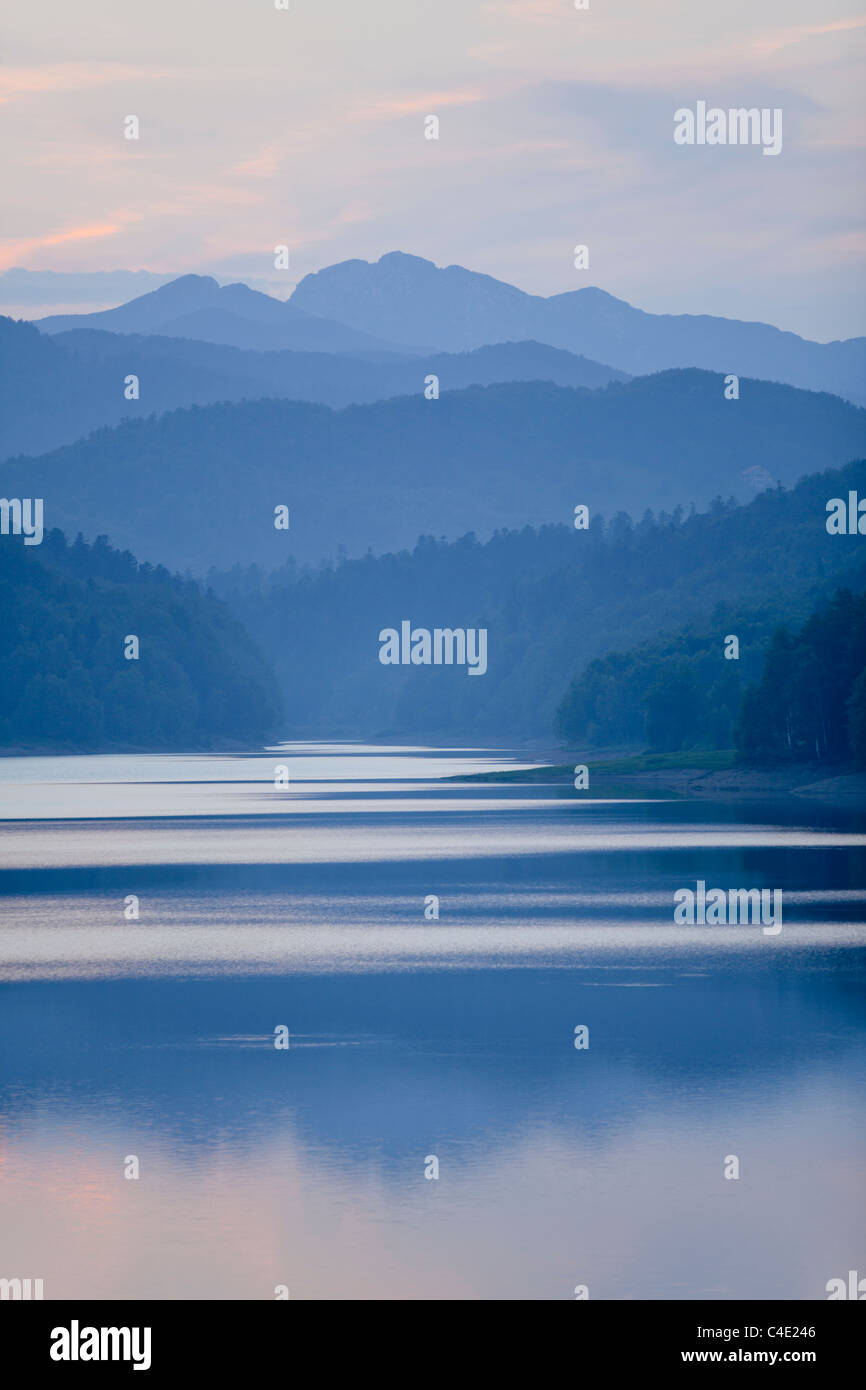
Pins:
x: 434, y: 1127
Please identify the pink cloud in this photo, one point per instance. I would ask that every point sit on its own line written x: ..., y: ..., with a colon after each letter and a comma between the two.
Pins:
x: 76, y: 77
x: 428, y: 101
x: 773, y: 42
x: 12, y: 252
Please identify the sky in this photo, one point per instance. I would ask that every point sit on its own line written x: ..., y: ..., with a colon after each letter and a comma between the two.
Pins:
x: 304, y: 127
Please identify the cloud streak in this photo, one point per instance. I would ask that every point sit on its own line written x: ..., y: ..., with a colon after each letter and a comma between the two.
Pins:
x: 12, y: 252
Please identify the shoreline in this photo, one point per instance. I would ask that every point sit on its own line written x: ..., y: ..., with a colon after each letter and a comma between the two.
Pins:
x: 712, y: 775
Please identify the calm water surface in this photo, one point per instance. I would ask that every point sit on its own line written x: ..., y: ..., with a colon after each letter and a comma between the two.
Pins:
x: 303, y: 905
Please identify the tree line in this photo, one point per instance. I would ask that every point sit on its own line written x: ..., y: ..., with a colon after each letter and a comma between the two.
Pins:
x: 199, y: 680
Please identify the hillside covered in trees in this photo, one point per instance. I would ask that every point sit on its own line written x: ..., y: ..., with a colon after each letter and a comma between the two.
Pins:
x: 557, y: 603
x: 810, y: 704
x: 794, y: 696
x: 610, y: 636
x: 198, y: 681
x: 198, y: 488
x: 54, y: 390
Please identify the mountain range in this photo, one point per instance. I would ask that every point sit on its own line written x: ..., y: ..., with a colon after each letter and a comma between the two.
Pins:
x: 54, y: 390
x: 195, y: 306
x: 410, y: 300
x: 198, y: 487
x: 403, y: 303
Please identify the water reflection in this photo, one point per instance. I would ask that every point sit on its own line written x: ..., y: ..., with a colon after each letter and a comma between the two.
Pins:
x: 411, y: 1037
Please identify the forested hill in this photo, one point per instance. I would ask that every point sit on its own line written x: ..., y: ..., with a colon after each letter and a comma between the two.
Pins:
x: 680, y: 692
x: 552, y: 600
x: 69, y: 611
x: 810, y: 704
x: 675, y: 693
x: 199, y: 487
x: 54, y: 390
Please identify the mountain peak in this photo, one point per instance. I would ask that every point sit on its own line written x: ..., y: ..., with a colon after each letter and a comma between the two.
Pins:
x: 403, y: 260
x: 187, y: 290
x: 188, y: 282
x: 146, y: 312
x: 402, y: 293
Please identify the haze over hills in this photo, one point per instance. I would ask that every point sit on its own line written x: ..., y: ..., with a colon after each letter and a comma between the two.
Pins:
x: 195, y: 306
x: 34, y: 293
x: 198, y: 487
x: 407, y: 305
x: 54, y: 390
x: 552, y: 601
x: 407, y: 299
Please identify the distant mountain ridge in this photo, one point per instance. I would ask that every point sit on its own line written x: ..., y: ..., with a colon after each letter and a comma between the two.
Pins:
x: 408, y: 305
x: 54, y: 390
x: 406, y: 298
x: 198, y: 487
x: 195, y: 306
